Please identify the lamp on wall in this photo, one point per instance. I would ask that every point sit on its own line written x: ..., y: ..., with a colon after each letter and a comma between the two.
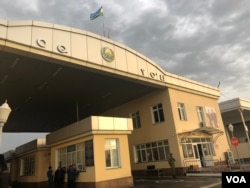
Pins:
x: 4, y: 114
x: 231, y: 129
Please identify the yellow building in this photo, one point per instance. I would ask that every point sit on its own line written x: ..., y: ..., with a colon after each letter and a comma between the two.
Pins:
x: 98, y: 146
x: 169, y: 113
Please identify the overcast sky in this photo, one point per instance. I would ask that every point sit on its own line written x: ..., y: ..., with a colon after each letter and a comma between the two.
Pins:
x: 204, y: 40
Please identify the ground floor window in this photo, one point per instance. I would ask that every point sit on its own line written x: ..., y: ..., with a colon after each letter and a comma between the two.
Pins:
x: 112, y: 153
x: 153, y: 151
x: 81, y: 154
x: 27, y: 166
x: 197, y: 147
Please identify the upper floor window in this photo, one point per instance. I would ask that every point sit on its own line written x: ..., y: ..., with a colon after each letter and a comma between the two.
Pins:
x: 182, y: 111
x: 136, y: 120
x: 201, y: 116
x: 157, y: 113
x: 112, y: 153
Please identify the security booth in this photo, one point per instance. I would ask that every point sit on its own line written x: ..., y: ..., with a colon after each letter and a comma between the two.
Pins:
x: 98, y: 146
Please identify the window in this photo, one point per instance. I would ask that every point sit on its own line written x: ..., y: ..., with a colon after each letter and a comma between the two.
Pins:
x: 154, y: 151
x: 192, y: 146
x: 136, y: 120
x: 27, y: 166
x: 187, y: 150
x: 157, y: 112
x: 112, y: 153
x: 80, y: 154
x: 182, y: 112
x: 201, y: 116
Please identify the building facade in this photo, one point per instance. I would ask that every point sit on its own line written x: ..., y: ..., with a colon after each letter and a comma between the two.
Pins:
x: 171, y: 121
x: 97, y: 146
x: 237, y: 113
x: 168, y: 113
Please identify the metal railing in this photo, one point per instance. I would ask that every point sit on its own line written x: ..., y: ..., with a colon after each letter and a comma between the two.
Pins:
x: 215, y: 166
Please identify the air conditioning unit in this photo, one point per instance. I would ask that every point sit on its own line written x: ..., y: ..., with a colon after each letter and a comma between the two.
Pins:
x: 229, y: 157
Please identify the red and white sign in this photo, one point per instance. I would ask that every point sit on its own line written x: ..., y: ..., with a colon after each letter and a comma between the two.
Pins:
x: 234, y: 141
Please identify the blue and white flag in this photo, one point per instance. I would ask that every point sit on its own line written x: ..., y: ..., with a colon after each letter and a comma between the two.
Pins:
x: 96, y: 14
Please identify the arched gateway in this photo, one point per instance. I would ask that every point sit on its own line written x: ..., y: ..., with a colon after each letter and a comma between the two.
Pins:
x: 58, y: 79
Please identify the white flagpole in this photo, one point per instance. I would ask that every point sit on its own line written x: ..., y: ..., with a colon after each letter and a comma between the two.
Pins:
x: 103, y: 24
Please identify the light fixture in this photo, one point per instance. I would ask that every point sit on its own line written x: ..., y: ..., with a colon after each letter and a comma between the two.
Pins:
x: 4, y: 114
x: 231, y: 128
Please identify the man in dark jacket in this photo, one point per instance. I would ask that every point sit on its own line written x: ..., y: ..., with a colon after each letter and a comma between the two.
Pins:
x: 171, y: 161
x: 50, y: 177
x: 4, y: 177
x: 59, y: 177
x: 72, y: 174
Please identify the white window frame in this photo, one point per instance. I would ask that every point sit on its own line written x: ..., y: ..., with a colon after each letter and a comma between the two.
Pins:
x: 136, y: 119
x: 153, y: 151
x: 182, y: 111
x: 157, y: 113
x: 112, y: 153
x: 201, y: 115
x: 27, y: 166
x: 76, y: 156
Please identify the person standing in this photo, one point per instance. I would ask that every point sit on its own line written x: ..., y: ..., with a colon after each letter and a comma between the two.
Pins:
x: 72, y: 174
x: 50, y: 177
x: 4, y: 177
x: 171, y: 162
x: 59, y: 177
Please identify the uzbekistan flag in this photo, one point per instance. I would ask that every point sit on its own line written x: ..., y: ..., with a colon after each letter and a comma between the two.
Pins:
x: 96, y: 14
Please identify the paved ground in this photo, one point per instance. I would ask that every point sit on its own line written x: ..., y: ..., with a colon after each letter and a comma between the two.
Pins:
x: 179, y: 182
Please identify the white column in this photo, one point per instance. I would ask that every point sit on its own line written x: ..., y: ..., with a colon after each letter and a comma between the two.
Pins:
x: 245, y: 126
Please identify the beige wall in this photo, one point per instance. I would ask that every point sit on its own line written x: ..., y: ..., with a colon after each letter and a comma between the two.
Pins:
x: 191, y: 101
x: 71, y: 47
x: 98, y: 172
x: 96, y: 129
x: 172, y: 126
x: 41, y: 166
x: 102, y: 173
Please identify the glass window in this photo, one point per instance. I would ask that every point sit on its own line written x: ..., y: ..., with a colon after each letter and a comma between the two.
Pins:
x: 136, y: 120
x: 181, y: 111
x: 89, y: 153
x: 206, y: 146
x: 27, y: 166
x: 157, y: 113
x: 154, y: 151
x: 75, y: 154
x: 201, y: 116
x: 112, y: 153
x: 187, y: 150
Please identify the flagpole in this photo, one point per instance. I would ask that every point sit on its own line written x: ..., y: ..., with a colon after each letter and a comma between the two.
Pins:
x: 103, y: 25
x: 103, y: 29
x: 96, y: 14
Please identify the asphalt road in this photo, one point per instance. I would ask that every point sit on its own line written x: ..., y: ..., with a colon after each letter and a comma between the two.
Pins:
x: 179, y: 182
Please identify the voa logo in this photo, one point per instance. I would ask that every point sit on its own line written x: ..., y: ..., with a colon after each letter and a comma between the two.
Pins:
x: 236, y: 179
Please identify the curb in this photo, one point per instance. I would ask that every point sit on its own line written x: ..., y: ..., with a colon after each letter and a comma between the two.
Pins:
x: 204, y: 174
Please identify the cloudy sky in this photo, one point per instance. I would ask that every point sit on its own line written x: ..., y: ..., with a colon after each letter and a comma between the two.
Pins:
x: 203, y: 40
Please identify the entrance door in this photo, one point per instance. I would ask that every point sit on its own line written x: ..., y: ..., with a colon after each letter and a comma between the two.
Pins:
x: 200, y: 154
x: 197, y: 153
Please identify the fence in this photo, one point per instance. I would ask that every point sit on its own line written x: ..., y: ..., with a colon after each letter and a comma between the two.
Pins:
x: 215, y: 166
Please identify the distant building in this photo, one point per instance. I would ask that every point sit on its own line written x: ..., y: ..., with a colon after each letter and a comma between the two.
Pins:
x: 237, y: 113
